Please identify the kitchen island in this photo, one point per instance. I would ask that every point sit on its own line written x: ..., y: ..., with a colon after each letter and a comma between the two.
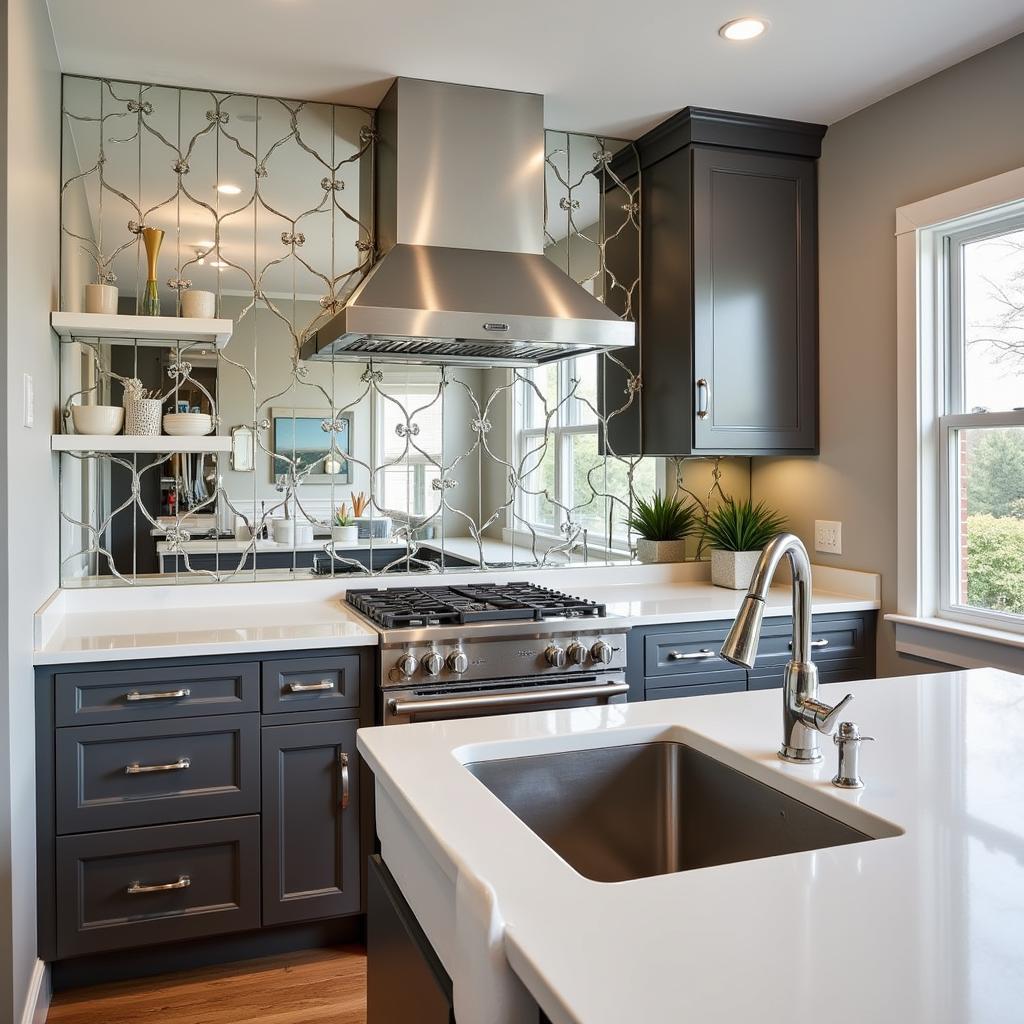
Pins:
x: 919, y: 922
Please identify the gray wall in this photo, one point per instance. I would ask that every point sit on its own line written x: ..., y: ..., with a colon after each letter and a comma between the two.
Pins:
x: 29, y: 477
x: 960, y: 126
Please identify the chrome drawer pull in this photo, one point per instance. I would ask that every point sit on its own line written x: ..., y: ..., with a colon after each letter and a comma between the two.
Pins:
x: 704, y: 652
x: 169, y: 695
x: 814, y: 643
x: 343, y: 765
x: 142, y: 769
x: 136, y: 888
x: 324, y: 684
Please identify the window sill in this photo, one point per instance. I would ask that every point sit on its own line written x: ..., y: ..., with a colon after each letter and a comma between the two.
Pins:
x: 958, y: 643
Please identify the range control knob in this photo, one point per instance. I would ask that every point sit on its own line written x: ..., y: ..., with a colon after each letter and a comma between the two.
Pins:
x: 458, y: 661
x: 555, y: 656
x: 406, y: 664
x: 577, y: 653
x: 432, y: 663
x: 602, y: 652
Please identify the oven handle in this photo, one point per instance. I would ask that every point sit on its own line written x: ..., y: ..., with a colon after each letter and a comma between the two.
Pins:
x: 410, y: 707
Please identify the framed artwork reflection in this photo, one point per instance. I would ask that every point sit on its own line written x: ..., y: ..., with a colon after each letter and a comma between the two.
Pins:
x: 299, y: 435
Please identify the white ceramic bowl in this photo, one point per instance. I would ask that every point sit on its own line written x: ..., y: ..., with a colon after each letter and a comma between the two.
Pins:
x: 106, y: 420
x: 187, y: 424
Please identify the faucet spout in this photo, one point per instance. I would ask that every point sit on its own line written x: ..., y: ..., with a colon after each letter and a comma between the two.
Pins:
x: 804, y: 716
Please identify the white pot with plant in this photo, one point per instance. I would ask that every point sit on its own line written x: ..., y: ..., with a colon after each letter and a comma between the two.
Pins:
x: 663, y: 524
x: 345, y: 530
x: 736, y: 531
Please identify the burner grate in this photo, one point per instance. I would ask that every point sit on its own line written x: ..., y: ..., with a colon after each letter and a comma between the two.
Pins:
x: 482, y: 602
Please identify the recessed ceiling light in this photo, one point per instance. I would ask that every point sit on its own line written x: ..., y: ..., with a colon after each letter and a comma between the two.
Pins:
x: 741, y: 29
x: 219, y: 264
x: 228, y: 189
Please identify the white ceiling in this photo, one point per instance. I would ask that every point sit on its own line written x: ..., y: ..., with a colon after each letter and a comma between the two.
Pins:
x: 613, y: 66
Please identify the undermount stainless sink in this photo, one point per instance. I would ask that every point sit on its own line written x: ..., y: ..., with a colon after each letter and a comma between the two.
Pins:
x: 617, y: 813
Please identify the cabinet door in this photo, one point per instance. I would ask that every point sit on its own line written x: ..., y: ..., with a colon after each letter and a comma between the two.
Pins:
x: 310, y: 821
x: 755, y: 302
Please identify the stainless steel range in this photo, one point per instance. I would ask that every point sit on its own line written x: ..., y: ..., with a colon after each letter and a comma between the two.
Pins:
x: 485, y: 649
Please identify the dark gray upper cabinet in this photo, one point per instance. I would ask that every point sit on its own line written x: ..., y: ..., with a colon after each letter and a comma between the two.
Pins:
x: 728, y: 317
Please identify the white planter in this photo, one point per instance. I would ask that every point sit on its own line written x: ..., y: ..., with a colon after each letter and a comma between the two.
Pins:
x: 198, y: 304
x: 733, y: 569
x: 100, y: 298
x: 97, y: 419
x: 660, y: 550
x: 142, y: 418
x: 283, y: 531
x: 345, y: 534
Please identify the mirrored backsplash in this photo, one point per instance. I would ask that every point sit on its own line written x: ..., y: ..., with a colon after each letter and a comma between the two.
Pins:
x: 330, y: 469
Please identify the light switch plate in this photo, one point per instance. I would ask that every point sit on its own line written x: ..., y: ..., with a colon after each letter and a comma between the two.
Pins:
x: 828, y: 536
x: 28, y: 400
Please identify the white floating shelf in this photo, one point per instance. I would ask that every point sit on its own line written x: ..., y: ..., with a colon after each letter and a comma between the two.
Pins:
x: 126, y: 443
x: 151, y: 330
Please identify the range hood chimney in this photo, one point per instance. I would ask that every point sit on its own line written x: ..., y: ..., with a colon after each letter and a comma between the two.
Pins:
x: 461, y: 276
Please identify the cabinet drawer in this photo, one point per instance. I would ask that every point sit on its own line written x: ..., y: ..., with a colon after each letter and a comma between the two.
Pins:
x: 323, y: 684
x: 729, y: 674
x: 698, y: 688
x: 147, y: 885
x: 120, y: 776
x: 136, y: 695
x: 847, y: 673
x: 833, y: 640
x: 685, y: 652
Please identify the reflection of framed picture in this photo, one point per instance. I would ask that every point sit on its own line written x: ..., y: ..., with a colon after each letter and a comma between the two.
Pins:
x: 298, y: 434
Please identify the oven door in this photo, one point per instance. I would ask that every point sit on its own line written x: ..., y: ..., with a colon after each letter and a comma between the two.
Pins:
x: 431, y: 703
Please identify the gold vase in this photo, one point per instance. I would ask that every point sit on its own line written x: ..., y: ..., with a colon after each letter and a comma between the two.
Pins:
x: 152, y: 238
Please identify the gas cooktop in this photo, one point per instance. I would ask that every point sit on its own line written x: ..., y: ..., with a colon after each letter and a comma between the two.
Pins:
x: 402, y: 607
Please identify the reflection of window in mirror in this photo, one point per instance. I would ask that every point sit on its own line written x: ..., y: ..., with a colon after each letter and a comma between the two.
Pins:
x: 405, y: 479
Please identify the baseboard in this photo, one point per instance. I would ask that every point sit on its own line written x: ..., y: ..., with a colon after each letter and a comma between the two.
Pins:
x: 37, y: 1000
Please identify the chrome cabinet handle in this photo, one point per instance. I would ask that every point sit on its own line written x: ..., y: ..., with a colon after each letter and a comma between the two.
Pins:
x: 141, y: 769
x: 136, y: 888
x: 482, y: 701
x: 703, y: 398
x: 814, y: 643
x: 704, y: 652
x: 134, y: 695
x: 343, y: 765
x: 324, y: 684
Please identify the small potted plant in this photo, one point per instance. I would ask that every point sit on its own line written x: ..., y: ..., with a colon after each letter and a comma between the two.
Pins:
x: 344, y: 530
x: 663, y: 524
x: 736, y: 531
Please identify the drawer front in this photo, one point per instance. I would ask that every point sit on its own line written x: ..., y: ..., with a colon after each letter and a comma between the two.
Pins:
x: 117, y: 776
x: 832, y: 639
x: 730, y: 674
x: 138, y: 695
x: 689, y: 652
x: 138, y: 886
x: 700, y: 688
x: 846, y: 673
x: 322, y: 684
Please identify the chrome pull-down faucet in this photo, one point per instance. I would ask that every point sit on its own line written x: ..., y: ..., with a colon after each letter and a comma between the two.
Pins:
x: 803, y: 715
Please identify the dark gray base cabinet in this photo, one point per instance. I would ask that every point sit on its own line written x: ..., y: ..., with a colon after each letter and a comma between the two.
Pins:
x: 682, y: 660
x: 311, y: 855
x: 188, y: 798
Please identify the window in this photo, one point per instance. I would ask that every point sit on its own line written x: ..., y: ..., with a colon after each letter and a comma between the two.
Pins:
x: 410, y: 458
x: 981, y: 424
x: 564, y: 476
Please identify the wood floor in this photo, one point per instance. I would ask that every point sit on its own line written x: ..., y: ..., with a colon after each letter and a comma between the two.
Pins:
x: 314, y: 986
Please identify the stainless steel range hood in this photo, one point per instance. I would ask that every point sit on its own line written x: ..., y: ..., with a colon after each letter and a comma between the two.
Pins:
x: 462, y: 278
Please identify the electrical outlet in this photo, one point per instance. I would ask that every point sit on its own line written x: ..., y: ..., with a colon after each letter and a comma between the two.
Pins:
x: 828, y: 536
x: 28, y: 400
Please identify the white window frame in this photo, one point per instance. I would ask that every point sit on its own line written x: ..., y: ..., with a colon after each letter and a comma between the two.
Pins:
x: 423, y: 387
x: 927, y: 624
x: 561, y: 432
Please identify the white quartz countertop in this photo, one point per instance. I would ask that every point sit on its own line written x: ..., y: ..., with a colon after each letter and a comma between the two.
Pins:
x: 186, y: 632
x: 923, y: 927
x: 191, y: 619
